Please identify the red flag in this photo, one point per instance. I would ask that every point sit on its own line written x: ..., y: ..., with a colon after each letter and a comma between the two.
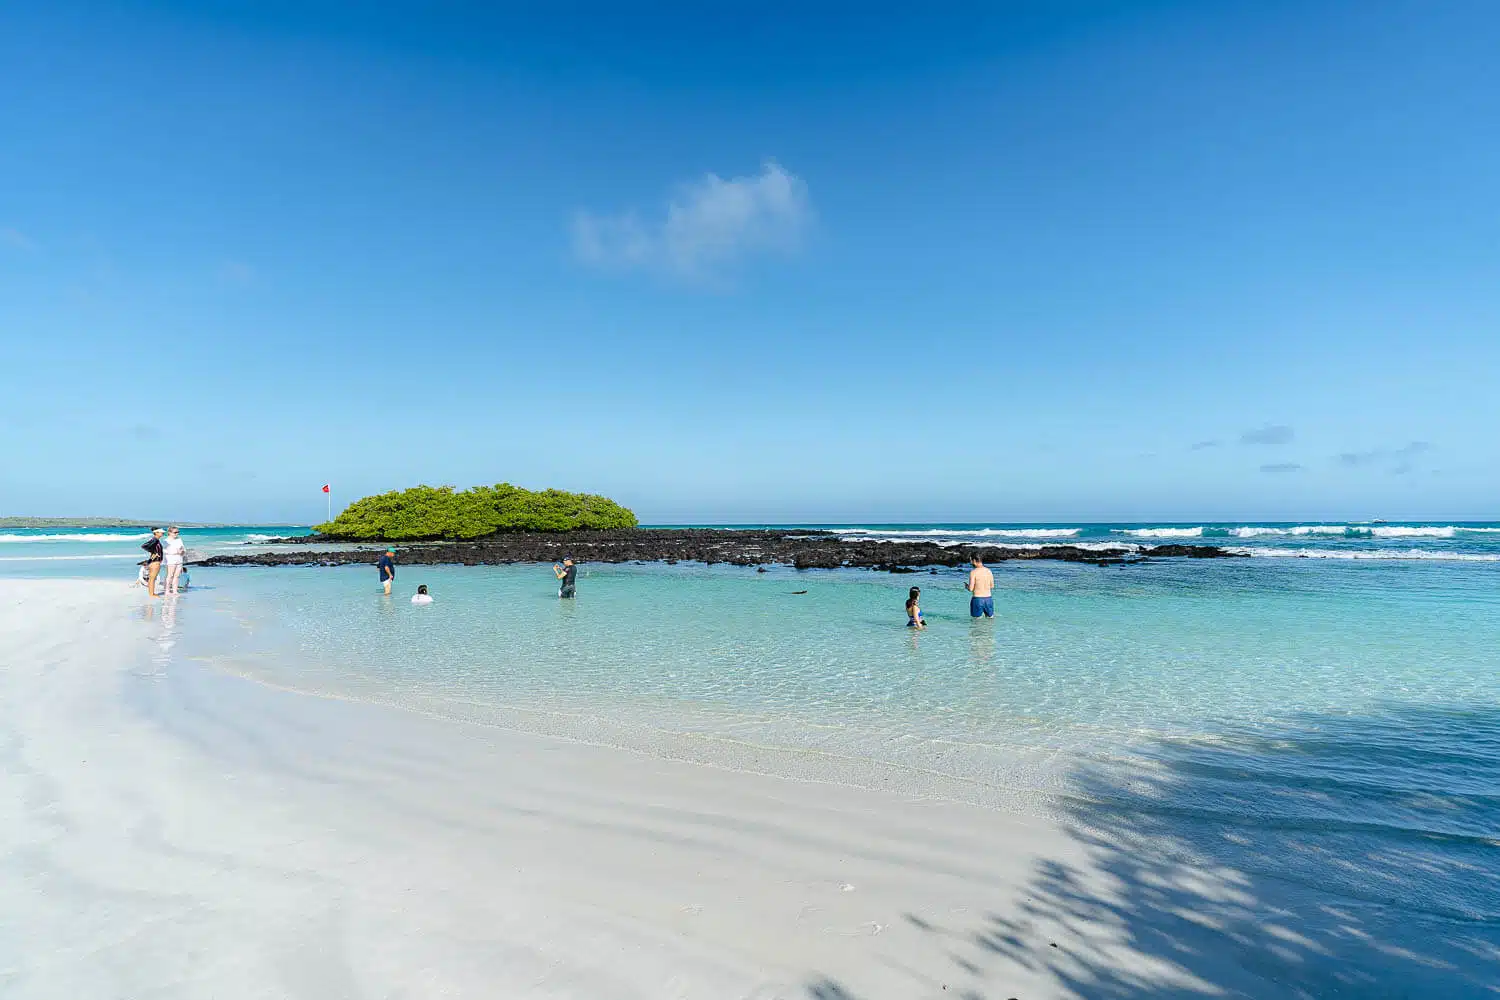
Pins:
x: 325, y: 487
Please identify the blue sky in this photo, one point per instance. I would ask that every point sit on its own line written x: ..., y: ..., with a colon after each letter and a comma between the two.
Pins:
x: 1028, y: 261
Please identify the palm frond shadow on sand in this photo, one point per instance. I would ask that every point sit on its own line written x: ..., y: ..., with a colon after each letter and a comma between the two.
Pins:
x: 1208, y: 878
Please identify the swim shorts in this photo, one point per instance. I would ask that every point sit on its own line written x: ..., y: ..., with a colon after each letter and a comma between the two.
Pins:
x: 981, y: 606
x: 565, y: 592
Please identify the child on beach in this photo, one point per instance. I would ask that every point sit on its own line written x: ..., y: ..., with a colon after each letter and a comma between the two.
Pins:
x: 913, y: 611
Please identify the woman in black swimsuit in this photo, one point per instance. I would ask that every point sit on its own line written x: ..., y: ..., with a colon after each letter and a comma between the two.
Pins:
x: 913, y: 610
x: 152, y: 546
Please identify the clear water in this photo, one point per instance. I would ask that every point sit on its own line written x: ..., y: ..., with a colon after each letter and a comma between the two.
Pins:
x: 1166, y: 648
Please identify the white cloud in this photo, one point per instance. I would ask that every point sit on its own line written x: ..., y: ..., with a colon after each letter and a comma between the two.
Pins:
x: 710, y: 224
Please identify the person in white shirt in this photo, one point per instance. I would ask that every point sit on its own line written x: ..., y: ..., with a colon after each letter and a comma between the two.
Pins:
x: 421, y: 596
x: 174, y: 549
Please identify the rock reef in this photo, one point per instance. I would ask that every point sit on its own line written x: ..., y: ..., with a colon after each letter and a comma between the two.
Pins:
x: 738, y: 547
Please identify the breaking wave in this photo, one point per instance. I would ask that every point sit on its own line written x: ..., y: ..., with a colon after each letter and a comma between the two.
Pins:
x: 1305, y: 530
x: 1163, y: 532
x: 932, y: 533
x: 1256, y: 531
x: 1275, y: 553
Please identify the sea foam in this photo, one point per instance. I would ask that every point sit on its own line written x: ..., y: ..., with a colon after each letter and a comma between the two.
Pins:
x: 1278, y: 553
x: 925, y: 533
x: 1161, y: 532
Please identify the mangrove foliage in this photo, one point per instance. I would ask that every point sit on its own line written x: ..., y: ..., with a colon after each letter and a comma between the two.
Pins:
x: 430, y: 513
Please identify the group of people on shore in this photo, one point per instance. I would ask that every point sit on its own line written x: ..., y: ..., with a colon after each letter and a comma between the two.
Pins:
x: 169, y: 550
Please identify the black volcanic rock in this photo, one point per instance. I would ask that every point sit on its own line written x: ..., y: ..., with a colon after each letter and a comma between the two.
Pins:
x: 739, y: 547
x: 1186, y: 551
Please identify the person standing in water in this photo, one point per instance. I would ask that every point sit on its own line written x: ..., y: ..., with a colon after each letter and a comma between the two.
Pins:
x: 153, y: 549
x: 567, y: 575
x: 913, y: 610
x: 387, y: 567
x: 981, y: 588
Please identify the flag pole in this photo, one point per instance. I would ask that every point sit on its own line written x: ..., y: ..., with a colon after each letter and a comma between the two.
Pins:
x: 330, y: 503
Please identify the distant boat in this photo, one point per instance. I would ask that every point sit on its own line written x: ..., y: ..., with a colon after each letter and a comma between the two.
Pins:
x: 1377, y: 520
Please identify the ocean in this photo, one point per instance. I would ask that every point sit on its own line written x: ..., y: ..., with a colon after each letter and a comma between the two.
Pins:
x: 27, y: 548
x: 1322, y: 720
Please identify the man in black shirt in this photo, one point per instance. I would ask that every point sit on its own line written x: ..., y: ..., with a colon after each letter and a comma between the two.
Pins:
x: 387, y: 566
x: 152, y: 546
x: 567, y: 573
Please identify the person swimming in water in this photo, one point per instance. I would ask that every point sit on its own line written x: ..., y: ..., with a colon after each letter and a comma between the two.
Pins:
x: 913, y: 610
x: 421, y: 596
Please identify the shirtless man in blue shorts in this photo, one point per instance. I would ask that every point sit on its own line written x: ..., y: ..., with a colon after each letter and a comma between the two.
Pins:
x: 981, y: 588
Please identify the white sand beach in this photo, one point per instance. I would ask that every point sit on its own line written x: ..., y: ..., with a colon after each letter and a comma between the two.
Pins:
x: 172, y: 831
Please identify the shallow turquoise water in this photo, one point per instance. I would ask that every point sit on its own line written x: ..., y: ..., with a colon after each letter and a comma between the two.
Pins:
x: 1166, y: 648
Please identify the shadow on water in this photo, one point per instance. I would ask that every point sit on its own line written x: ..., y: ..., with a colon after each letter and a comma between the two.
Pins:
x: 1329, y: 856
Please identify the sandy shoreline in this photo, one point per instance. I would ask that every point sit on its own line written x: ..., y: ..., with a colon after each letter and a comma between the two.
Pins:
x: 171, y: 831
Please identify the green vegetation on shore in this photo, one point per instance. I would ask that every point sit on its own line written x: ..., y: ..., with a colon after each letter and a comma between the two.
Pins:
x: 430, y: 513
